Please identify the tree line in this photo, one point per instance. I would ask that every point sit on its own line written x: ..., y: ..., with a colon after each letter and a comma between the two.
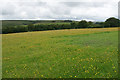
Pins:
x: 110, y: 22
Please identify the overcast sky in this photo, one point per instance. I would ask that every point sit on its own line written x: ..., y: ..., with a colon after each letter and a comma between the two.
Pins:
x: 91, y: 10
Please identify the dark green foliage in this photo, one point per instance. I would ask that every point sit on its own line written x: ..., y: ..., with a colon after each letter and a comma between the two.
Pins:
x: 41, y: 25
x: 90, y: 23
x: 96, y: 25
x: 31, y: 27
x: 67, y: 20
x: 83, y: 24
x: 112, y: 22
x: 14, y: 29
x: 21, y: 29
x: 74, y: 25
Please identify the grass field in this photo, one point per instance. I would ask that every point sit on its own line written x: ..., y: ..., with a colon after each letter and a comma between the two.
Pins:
x: 49, y: 23
x: 74, y: 53
x: 12, y: 23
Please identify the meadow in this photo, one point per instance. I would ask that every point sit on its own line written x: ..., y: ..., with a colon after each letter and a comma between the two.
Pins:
x: 73, y: 53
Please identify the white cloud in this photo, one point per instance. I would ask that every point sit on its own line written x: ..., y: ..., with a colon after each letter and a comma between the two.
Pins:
x: 59, y: 9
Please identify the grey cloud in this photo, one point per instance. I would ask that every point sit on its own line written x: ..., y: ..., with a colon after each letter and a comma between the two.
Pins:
x: 8, y: 9
x: 71, y: 4
x: 58, y: 10
x: 84, y: 4
x: 32, y: 3
x: 7, y: 12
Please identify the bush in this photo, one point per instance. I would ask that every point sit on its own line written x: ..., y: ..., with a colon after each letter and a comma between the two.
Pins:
x: 111, y: 22
x: 83, y: 24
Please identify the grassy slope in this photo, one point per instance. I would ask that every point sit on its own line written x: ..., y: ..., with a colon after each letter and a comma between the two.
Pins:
x: 11, y: 23
x: 61, y: 53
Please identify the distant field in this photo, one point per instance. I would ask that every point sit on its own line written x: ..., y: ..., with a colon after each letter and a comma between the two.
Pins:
x: 73, y: 53
x: 11, y: 23
x: 48, y: 23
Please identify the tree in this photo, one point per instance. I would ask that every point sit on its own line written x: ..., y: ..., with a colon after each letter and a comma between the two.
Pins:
x: 73, y: 25
x: 90, y: 24
x: 83, y: 24
x: 30, y: 27
x: 112, y: 22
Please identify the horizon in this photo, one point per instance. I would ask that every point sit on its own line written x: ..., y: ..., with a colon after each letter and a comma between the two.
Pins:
x: 52, y: 20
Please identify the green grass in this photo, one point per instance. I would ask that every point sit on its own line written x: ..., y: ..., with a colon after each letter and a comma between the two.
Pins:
x: 49, y: 23
x: 75, y: 53
x: 11, y: 23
